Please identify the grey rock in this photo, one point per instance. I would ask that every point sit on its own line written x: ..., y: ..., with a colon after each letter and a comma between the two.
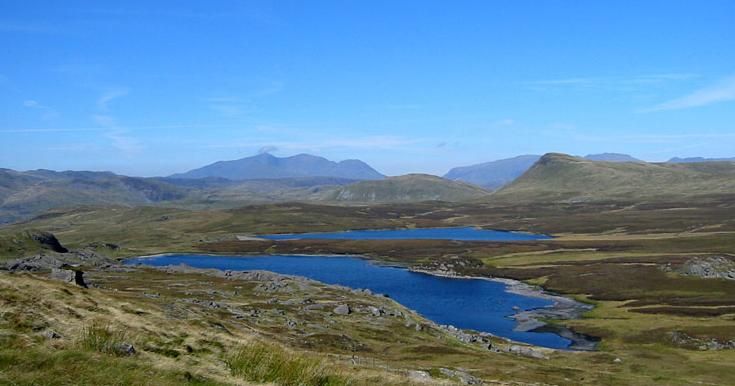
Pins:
x: 125, y: 349
x: 342, y: 309
x: 462, y: 376
x: 51, y: 334
x: 69, y: 275
x: 526, y: 351
x: 419, y: 376
x: 712, y: 267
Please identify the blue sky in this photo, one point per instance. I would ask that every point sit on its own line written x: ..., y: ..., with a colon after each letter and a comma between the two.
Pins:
x: 152, y: 88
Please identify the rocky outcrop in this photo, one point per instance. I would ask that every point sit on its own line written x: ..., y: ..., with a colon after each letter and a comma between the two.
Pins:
x: 712, y: 267
x: 47, y: 240
x: 69, y: 274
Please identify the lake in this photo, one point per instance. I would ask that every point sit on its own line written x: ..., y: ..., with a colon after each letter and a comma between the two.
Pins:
x: 454, y: 233
x: 477, y: 304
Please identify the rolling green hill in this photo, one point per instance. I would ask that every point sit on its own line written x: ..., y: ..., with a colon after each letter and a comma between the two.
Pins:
x: 560, y: 177
x: 408, y: 188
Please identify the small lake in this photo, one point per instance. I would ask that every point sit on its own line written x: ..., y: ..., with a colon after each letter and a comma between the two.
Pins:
x: 481, y: 305
x: 455, y: 233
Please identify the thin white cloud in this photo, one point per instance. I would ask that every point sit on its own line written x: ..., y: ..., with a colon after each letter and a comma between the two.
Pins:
x: 504, y: 122
x: 611, y: 81
x: 722, y: 91
x: 126, y: 144
x: 47, y: 113
x: 230, y: 106
x: 655, y: 138
x: 25, y: 27
x: 103, y: 102
x: 101, y: 128
x: 315, y: 145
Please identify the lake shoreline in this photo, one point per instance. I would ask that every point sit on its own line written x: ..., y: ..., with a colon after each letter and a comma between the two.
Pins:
x: 562, y: 308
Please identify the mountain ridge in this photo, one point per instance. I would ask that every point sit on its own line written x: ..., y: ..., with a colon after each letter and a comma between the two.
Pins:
x: 266, y: 166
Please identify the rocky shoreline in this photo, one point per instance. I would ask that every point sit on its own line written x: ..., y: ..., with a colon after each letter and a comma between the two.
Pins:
x: 533, y: 320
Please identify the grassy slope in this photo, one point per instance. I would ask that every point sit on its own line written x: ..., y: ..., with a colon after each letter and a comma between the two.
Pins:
x: 561, y: 177
x: 608, y: 253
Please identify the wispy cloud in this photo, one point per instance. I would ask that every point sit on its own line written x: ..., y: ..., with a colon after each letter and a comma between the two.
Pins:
x: 611, y: 81
x: 230, y: 106
x: 267, y: 149
x: 103, y: 102
x: 655, y: 138
x: 722, y: 91
x: 47, y: 113
x: 119, y: 137
x: 504, y: 122
x: 102, y: 118
x: 347, y: 143
x: 25, y: 27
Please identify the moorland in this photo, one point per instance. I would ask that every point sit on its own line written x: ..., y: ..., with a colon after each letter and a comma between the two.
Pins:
x: 651, y: 246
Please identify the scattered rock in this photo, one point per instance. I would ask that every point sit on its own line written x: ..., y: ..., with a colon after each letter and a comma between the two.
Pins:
x: 419, y: 376
x: 462, y: 376
x: 712, y: 267
x: 375, y: 311
x: 342, y: 309
x: 125, y: 349
x: 526, y: 351
x: 51, y: 334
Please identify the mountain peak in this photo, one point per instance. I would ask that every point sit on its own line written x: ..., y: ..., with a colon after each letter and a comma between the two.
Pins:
x: 268, y: 166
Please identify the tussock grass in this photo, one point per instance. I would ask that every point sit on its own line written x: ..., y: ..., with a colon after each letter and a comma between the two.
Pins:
x: 260, y: 362
x: 102, y: 338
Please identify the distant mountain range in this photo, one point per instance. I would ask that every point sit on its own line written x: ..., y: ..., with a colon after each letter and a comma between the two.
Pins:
x: 267, y: 166
x: 677, y: 160
x: 529, y: 178
x: 496, y: 174
x: 407, y: 188
x: 611, y: 157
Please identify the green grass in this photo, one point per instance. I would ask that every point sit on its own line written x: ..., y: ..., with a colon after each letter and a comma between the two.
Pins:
x: 260, y: 362
x: 44, y: 366
x: 103, y: 339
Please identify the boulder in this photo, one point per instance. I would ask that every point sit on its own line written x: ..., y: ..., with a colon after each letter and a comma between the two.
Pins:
x: 69, y: 275
x: 125, y: 349
x: 342, y: 309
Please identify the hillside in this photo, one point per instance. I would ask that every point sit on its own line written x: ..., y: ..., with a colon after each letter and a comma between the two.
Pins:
x: 560, y: 177
x: 408, y: 188
x: 267, y: 166
x: 25, y: 194
x: 494, y: 174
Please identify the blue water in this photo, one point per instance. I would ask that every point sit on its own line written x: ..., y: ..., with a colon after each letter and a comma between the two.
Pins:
x: 481, y: 305
x: 455, y: 233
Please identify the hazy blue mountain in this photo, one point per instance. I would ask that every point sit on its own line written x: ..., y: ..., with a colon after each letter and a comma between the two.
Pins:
x: 611, y: 157
x: 494, y: 174
x: 267, y: 166
x: 407, y: 188
x: 677, y: 160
